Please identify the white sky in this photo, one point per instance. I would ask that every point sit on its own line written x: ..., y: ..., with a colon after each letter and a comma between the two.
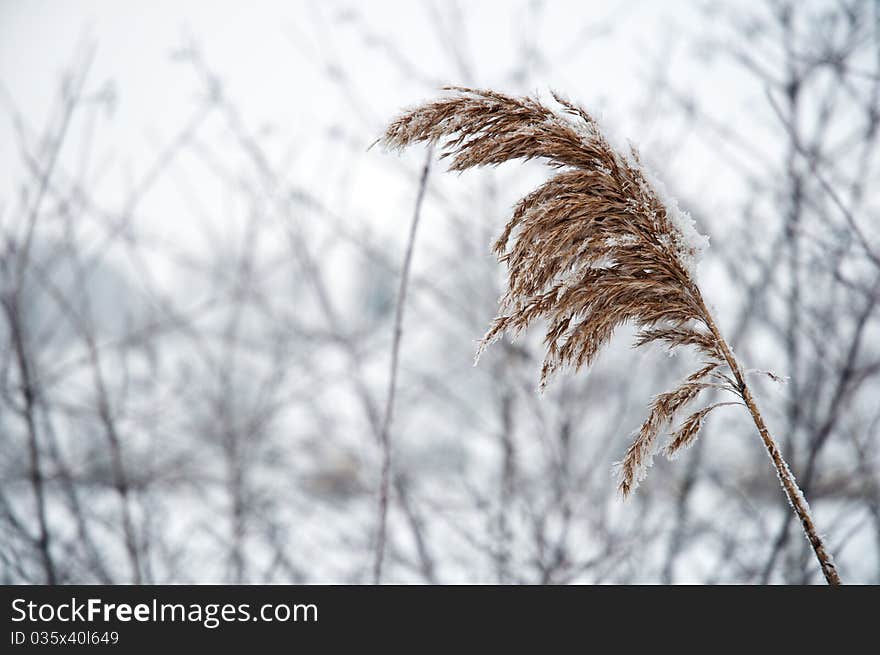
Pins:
x: 268, y: 52
x: 277, y: 61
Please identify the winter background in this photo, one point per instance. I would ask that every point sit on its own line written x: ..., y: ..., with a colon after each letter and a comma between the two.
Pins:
x: 199, y: 267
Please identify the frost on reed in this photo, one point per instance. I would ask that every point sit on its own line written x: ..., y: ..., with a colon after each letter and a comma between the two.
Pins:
x: 597, y: 245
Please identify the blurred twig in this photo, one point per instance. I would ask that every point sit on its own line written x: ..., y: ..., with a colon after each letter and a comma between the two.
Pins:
x: 385, y: 431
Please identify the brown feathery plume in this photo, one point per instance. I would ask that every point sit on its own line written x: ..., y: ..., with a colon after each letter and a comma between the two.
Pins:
x: 597, y: 245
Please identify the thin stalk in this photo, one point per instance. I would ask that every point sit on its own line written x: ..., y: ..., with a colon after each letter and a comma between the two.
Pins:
x: 385, y: 431
x: 37, y: 479
x: 786, y: 477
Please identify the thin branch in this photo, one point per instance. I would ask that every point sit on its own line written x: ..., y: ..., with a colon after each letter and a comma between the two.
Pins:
x: 813, y: 164
x: 385, y: 431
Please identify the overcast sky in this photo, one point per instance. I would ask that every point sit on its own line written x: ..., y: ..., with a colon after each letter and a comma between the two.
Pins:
x: 274, y: 58
x: 320, y: 79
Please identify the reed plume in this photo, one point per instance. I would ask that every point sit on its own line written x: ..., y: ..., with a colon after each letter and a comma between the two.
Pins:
x: 599, y: 244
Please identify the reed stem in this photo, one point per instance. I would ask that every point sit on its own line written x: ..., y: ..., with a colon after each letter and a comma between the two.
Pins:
x: 794, y: 494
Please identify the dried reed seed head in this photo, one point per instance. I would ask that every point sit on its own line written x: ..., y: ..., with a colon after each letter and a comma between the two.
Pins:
x: 597, y: 245
x: 686, y: 434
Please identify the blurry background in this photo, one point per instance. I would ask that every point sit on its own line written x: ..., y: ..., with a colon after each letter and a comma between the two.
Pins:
x: 200, y: 258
